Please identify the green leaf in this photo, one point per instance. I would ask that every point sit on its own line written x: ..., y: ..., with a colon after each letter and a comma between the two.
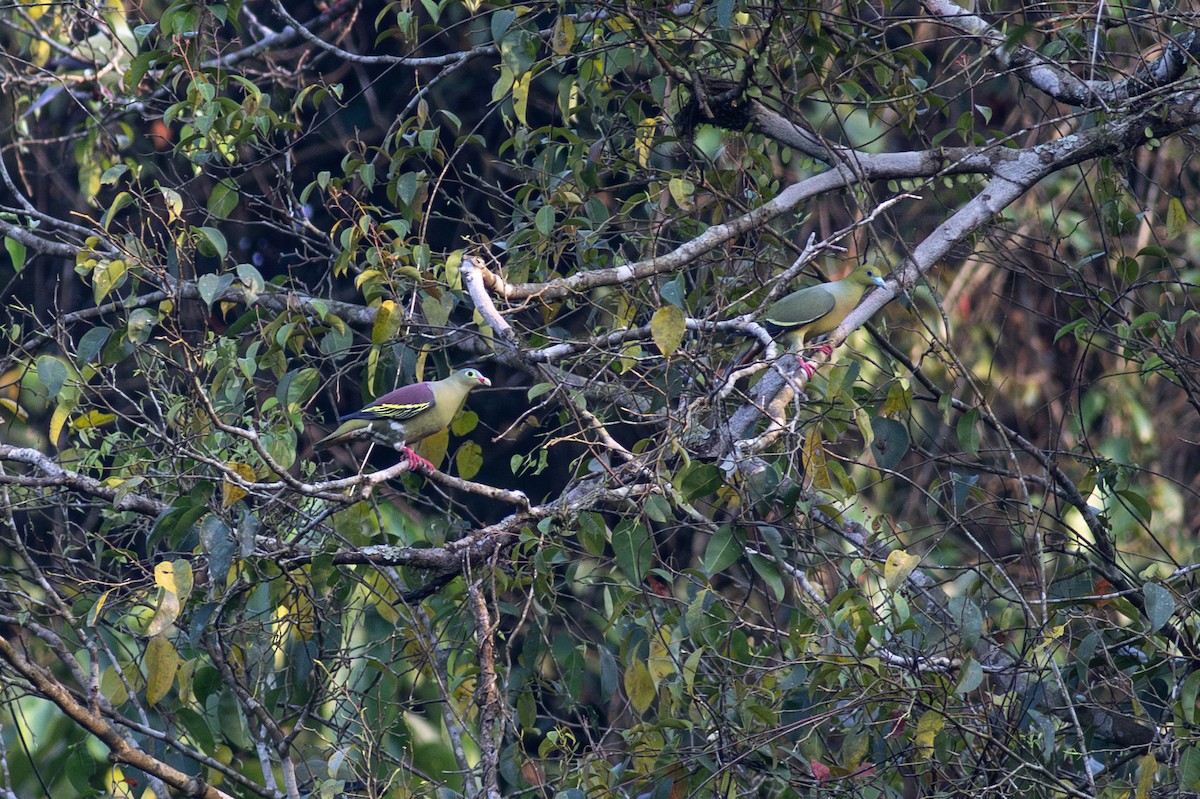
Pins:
x: 296, y: 388
x: 211, y: 286
x: 230, y: 720
x: 609, y: 673
x: 1189, y: 767
x: 501, y: 21
x: 223, y: 199
x: 723, y: 550
x: 667, y: 327
x: 1139, y: 505
x: 658, y: 509
x: 16, y: 253
x: 1071, y: 328
x: 120, y: 201
x: 51, y: 373
x: 698, y: 480
x: 593, y: 534
x: 90, y: 344
x: 968, y: 431
x: 197, y: 728
x: 1160, y: 605
x: 969, y: 678
x: 469, y: 460
x: 768, y: 570
x: 218, y: 543
x: 724, y: 14
x: 673, y: 291
x: 891, y: 442
x: 632, y: 546
x: 212, y: 242
x: 1187, y: 697
x: 544, y: 221
x: 969, y: 619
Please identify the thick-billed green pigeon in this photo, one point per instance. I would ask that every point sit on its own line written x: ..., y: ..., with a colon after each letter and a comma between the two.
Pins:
x: 410, y: 413
x: 816, y: 309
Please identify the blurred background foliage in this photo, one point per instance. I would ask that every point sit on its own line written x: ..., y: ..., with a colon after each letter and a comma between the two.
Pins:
x: 964, y: 562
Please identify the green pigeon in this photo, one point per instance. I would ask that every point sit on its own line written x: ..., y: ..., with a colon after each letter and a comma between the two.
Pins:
x: 815, y: 310
x: 409, y: 414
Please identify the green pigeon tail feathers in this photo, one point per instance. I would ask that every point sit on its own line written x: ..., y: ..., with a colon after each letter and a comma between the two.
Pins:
x: 410, y: 413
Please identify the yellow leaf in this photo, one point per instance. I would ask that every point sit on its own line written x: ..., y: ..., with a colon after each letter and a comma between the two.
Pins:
x: 173, y: 201
x: 161, y: 663
x: 813, y: 454
x: 168, y: 603
x: 296, y: 615
x: 661, y: 663
x: 464, y: 423
x: 639, y: 686
x: 1176, y: 218
x: 94, y: 613
x: 14, y: 409
x: 183, y: 679
x: 451, y: 267
x: 164, y: 576
x: 899, y: 565
x: 58, y: 420
x: 107, y: 276
x: 433, y: 448
x: 644, y: 140
x: 368, y: 275
x: 899, y: 398
x: 382, y: 597
x: 682, y: 192
x: 113, y: 686
x: 667, y: 327
x: 563, y: 36
x: 928, y: 727
x: 863, y: 422
x: 92, y: 419
x: 165, y: 615
x: 388, y: 318
x: 520, y: 95
x: 1147, y: 767
x: 231, y: 492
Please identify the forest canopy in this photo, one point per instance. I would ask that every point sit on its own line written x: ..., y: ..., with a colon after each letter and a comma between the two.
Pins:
x: 955, y: 555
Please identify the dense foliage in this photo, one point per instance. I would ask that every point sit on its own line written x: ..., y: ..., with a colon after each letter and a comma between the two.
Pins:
x: 959, y: 559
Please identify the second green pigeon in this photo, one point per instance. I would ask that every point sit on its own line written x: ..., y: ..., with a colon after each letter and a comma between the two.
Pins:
x: 817, y: 309
x: 409, y: 414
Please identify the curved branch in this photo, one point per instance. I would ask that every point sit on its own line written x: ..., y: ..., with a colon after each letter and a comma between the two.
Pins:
x: 120, y: 750
x: 1055, y: 80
